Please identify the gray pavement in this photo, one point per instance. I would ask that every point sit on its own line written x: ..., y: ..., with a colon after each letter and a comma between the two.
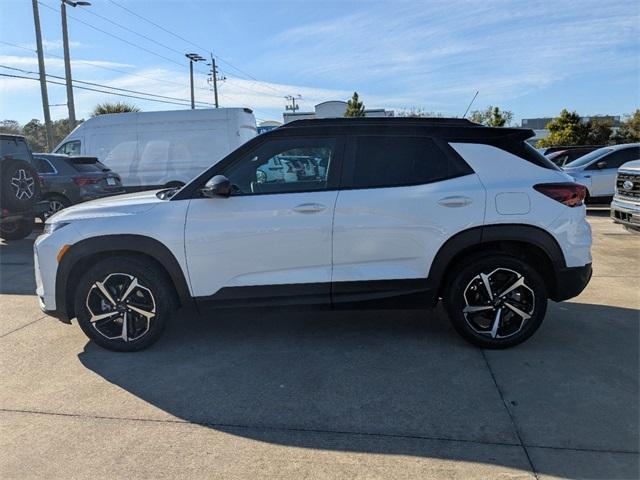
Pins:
x: 358, y: 394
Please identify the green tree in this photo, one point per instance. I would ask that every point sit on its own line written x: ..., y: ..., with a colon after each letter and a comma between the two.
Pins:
x: 599, y: 131
x: 629, y: 131
x: 566, y: 129
x: 492, y: 117
x: 416, y: 112
x: 36, y: 135
x: 111, y: 107
x: 10, y: 126
x: 355, y: 108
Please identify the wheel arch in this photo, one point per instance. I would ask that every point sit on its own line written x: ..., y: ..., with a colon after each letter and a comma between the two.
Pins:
x: 524, y: 241
x: 91, y: 250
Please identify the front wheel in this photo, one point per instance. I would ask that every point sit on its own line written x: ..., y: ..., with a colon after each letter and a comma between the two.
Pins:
x: 123, y: 303
x: 496, y: 301
x: 16, y: 229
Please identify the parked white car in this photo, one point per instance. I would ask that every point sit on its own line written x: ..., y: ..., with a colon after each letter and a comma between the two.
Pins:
x: 406, y: 212
x: 597, y: 170
x: 625, y: 208
x: 157, y: 149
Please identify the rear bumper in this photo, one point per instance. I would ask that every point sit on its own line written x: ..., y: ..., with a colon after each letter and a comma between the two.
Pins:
x: 570, y: 282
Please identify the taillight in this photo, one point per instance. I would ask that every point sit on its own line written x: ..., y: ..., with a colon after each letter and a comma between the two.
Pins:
x: 80, y: 181
x: 569, y: 194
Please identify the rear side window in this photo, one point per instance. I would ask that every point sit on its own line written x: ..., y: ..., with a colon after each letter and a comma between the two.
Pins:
x: 617, y: 158
x: 527, y: 152
x: 43, y: 166
x: 16, y: 149
x: 389, y: 161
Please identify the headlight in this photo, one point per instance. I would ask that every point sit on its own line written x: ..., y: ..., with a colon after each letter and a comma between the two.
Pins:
x: 52, y: 227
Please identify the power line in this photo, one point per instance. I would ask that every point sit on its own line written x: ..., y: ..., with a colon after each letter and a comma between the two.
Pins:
x: 107, y: 86
x: 115, y: 36
x: 97, y: 90
x: 194, y: 45
x: 89, y: 11
x: 97, y: 65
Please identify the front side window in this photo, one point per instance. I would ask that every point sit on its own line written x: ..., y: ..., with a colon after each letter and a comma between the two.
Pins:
x: 396, y: 161
x: 588, y: 158
x: 281, y: 166
x: 70, y: 148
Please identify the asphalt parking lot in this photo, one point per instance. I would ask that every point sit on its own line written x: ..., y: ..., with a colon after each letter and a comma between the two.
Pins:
x: 365, y: 394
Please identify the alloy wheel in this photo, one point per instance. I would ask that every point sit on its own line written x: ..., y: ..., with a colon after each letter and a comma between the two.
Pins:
x: 23, y: 184
x: 498, y: 304
x: 120, y: 307
x: 55, y: 206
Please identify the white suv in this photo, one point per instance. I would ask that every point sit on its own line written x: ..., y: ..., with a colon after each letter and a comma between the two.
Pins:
x: 406, y: 211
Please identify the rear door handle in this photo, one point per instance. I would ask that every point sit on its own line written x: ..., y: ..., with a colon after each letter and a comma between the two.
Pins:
x: 455, y: 201
x: 309, y: 208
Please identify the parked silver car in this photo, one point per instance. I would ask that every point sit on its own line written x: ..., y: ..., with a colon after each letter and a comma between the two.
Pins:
x: 625, y: 208
x: 597, y: 170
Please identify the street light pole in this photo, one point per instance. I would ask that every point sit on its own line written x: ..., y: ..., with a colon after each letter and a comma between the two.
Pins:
x: 67, y: 61
x: 193, y: 57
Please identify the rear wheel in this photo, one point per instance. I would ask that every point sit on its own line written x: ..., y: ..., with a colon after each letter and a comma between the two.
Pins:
x: 123, y: 304
x: 496, y: 301
x: 55, y: 204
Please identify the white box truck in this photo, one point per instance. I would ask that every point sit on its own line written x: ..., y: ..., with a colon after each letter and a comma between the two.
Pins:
x: 157, y: 149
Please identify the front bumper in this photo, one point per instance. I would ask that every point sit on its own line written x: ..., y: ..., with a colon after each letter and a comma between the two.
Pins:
x: 570, y: 282
x: 625, y: 212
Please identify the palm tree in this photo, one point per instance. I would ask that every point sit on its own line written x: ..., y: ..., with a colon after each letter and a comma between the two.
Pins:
x: 117, y: 107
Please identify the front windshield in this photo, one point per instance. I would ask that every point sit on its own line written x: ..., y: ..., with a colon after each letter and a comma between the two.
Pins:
x: 588, y: 158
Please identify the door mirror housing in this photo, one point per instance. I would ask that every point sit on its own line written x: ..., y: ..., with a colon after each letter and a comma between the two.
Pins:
x: 601, y: 164
x: 218, y: 186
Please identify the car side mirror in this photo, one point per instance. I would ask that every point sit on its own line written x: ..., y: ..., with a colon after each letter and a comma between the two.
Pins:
x: 601, y: 164
x: 218, y: 186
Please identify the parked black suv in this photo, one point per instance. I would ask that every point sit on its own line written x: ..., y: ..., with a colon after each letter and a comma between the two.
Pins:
x: 19, y: 188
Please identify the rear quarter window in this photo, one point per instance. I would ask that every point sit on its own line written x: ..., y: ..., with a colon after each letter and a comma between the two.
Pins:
x: 392, y: 161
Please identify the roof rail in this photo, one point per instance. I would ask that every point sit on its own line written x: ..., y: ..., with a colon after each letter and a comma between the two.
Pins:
x: 420, y: 121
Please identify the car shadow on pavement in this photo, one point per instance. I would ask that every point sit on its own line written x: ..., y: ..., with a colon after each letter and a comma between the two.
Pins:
x: 396, y: 382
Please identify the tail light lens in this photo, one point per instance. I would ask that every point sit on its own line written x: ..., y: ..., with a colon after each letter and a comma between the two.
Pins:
x: 80, y: 181
x: 569, y: 194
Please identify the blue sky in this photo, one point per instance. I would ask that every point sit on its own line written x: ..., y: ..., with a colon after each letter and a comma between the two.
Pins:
x: 533, y: 58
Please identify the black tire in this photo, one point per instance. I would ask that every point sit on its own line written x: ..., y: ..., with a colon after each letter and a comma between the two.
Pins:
x: 16, y: 229
x: 115, y: 274
x: 466, y: 288
x: 20, y: 185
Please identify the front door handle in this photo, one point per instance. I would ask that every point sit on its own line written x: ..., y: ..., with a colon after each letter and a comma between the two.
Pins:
x: 455, y: 201
x: 309, y: 208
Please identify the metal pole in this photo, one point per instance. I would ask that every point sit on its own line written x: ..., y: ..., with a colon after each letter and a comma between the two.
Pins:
x: 193, y: 105
x: 214, y: 72
x: 67, y: 67
x: 43, y: 76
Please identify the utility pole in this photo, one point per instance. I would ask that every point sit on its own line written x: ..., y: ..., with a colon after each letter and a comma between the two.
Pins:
x: 43, y: 76
x: 214, y: 79
x: 193, y: 57
x: 67, y: 61
x: 293, y: 107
